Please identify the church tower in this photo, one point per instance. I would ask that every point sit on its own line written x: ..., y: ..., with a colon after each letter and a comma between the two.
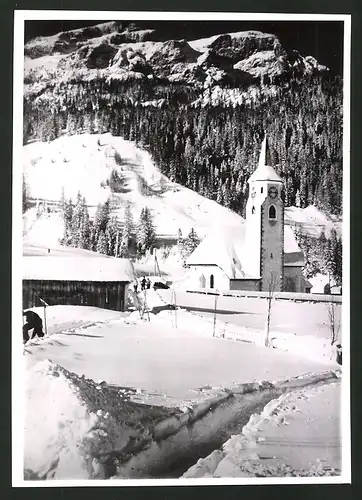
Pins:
x: 265, y: 224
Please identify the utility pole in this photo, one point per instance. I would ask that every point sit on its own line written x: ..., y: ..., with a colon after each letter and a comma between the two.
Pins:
x: 215, y: 306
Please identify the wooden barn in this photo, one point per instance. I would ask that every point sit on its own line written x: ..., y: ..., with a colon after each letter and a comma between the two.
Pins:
x: 70, y: 276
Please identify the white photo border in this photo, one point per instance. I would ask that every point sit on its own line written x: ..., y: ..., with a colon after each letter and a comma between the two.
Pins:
x: 18, y: 369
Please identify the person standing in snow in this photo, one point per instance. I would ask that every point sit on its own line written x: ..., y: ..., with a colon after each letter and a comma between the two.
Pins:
x: 148, y: 283
x: 135, y: 286
x: 33, y: 322
x: 143, y: 283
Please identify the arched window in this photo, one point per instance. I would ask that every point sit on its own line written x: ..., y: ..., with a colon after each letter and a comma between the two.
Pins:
x: 212, y: 281
x: 272, y: 213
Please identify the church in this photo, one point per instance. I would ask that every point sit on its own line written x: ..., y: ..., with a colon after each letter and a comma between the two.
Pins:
x: 263, y: 254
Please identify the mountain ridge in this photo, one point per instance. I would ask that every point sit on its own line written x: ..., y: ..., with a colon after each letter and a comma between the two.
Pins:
x: 139, y: 54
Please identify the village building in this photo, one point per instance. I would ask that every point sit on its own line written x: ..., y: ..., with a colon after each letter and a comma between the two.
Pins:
x: 72, y: 276
x: 262, y: 254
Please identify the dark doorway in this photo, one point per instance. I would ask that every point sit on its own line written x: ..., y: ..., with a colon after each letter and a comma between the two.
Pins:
x: 212, y: 281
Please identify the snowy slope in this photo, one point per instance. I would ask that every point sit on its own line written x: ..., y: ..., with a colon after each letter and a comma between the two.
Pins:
x: 84, y: 162
x: 312, y: 221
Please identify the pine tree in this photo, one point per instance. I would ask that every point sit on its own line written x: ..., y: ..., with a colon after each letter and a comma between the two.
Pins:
x: 62, y: 202
x: 102, y: 216
x: 219, y: 196
x: 102, y: 243
x: 25, y: 196
x: 146, y: 232
x: 85, y: 227
x: 77, y: 221
x: 321, y: 249
x: 181, y: 247
x: 126, y: 232
x: 297, y: 199
x: 336, y: 257
x: 191, y: 242
x: 111, y: 232
x: 68, y: 223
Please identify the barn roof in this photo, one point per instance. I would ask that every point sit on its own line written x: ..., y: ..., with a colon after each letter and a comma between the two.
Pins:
x: 227, y: 250
x: 74, y: 264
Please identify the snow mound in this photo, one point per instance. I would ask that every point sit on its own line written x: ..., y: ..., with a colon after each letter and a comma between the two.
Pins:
x: 67, y: 426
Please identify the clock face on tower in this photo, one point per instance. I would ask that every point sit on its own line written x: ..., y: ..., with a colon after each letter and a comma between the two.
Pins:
x: 273, y: 192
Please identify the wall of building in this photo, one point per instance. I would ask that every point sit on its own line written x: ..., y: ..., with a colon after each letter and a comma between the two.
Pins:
x: 293, y: 280
x: 247, y: 285
x: 272, y: 243
x: 200, y: 277
x: 107, y: 295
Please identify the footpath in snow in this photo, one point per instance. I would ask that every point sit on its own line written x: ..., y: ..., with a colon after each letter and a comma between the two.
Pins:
x: 297, y: 434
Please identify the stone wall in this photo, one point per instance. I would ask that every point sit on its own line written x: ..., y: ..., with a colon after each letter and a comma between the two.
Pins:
x: 272, y: 243
x: 293, y: 280
x: 248, y: 285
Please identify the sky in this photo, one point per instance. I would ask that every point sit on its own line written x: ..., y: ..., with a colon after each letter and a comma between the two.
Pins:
x: 323, y: 40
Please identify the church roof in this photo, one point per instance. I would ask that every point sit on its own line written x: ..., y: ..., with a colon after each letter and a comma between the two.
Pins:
x: 225, y: 249
x: 228, y: 251
x: 293, y: 256
x: 265, y: 173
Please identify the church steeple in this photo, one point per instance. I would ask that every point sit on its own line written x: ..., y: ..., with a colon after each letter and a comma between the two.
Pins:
x: 262, y: 157
x: 264, y: 222
x: 264, y: 172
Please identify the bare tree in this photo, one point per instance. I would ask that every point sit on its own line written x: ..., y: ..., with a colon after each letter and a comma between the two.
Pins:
x: 215, y: 312
x: 334, y: 321
x: 272, y: 283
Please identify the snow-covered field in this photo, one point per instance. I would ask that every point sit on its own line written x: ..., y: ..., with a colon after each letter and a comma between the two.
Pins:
x: 169, y: 352
x: 287, y: 317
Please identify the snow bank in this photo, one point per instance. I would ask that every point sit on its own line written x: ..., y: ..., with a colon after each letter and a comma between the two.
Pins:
x: 72, y: 424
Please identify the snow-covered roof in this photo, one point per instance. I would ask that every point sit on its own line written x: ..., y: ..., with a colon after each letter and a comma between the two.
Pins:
x: 264, y: 173
x: 74, y: 264
x: 293, y: 256
x: 228, y: 250
x: 32, y: 250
